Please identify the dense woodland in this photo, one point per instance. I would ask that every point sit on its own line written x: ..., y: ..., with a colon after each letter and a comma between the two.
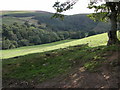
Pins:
x: 71, y: 22
x: 16, y: 35
x: 26, y: 29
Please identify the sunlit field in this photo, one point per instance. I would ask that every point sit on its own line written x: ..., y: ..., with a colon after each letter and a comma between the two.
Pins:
x: 93, y: 41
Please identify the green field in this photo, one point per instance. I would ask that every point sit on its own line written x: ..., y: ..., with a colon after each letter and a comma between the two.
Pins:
x: 39, y: 67
x: 13, y: 12
x: 20, y: 20
x: 96, y: 40
x: 93, y: 41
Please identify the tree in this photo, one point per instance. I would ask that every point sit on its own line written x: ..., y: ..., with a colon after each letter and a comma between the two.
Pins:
x: 24, y: 42
x: 90, y: 33
x: 27, y: 24
x: 6, y: 44
x: 104, y: 12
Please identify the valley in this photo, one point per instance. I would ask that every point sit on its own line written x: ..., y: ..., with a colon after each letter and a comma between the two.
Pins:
x: 39, y: 51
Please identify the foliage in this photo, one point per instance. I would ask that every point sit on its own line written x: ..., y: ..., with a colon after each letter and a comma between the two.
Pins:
x: 96, y: 40
x: 91, y: 66
x: 61, y: 7
x: 104, y: 12
x: 16, y: 35
x: 78, y: 22
x: 92, y: 41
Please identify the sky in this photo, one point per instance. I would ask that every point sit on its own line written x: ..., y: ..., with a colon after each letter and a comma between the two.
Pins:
x: 43, y: 5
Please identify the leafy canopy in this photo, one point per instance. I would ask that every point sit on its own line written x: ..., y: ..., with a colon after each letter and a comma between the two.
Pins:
x: 102, y: 11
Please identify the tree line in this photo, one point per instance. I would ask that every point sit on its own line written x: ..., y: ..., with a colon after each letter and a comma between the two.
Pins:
x: 16, y: 35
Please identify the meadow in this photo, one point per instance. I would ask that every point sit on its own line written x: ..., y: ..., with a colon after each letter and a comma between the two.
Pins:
x: 93, y: 41
x: 13, y: 12
x: 41, y: 63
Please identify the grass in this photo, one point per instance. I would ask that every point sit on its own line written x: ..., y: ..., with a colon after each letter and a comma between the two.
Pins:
x: 93, y: 41
x: 39, y: 67
x: 31, y: 49
x: 47, y: 65
x: 20, y: 20
x: 13, y: 12
x: 11, y: 20
x: 92, y: 65
x: 96, y: 40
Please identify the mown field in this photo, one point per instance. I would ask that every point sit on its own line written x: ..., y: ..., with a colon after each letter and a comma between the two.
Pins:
x: 92, y: 41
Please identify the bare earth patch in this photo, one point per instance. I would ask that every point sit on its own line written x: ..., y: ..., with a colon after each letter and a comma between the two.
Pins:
x: 107, y: 77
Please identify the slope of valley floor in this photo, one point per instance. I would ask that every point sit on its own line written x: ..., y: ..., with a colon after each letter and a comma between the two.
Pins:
x: 40, y: 52
x: 78, y: 66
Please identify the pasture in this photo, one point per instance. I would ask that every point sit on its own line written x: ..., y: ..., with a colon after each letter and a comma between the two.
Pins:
x: 93, y: 41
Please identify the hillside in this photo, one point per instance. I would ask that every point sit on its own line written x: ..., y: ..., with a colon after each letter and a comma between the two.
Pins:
x: 71, y: 22
x: 29, y: 28
x: 40, y: 52
x: 73, y: 67
x: 93, y: 41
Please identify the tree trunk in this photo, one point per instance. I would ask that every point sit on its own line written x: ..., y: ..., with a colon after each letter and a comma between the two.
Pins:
x: 112, y: 34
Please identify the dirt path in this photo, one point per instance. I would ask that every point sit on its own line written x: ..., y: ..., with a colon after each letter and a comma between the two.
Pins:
x: 79, y: 78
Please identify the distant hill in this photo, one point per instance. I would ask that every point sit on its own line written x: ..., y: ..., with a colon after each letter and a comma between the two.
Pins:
x: 71, y: 22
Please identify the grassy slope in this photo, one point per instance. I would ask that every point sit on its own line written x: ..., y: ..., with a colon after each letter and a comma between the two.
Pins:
x: 10, y: 20
x: 13, y: 12
x: 44, y: 17
x: 47, y: 65
x: 20, y: 20
x: 44, y: 66
x: 93, y: 41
